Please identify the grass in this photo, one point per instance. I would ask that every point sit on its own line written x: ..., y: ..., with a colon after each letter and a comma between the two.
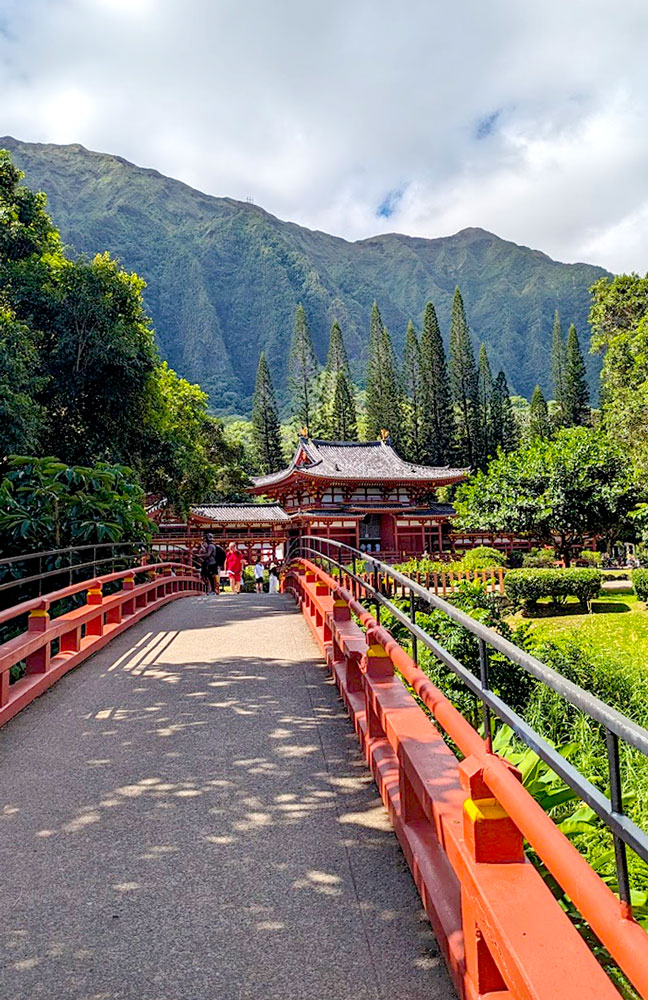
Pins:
x: 618, y: 625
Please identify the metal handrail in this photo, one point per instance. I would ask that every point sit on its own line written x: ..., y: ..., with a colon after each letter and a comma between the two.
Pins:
x: 617, y: 726
x: 70, y: 548
x: 118, y: 551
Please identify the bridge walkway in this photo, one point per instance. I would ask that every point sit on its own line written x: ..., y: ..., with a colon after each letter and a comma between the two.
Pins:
x: 188, y: 815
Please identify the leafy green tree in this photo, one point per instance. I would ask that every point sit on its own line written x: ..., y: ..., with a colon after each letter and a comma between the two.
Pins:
x: 504, y: 426
x: 21, y: 417
x: 266, y: 429
x: 413, y: 396
x: 539, y: 423
x: 343, y: 415
x: 189, y: 459
x: 383, y: 398
x: 100, y: 359
x: 437, y: 419
x: 555, y: 491
x: 485, y: 407
x: 463, y: 384
x: 558, y: 367
x: 26, y: 230
x: 619, y: 319
x: 47, y: 504
x: 303, y: 370
x: 576, y: 407
x: 618, y: 306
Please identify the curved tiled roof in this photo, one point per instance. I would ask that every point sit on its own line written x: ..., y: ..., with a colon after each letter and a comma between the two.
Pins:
x: 231, y: 513
x: 367, y: 460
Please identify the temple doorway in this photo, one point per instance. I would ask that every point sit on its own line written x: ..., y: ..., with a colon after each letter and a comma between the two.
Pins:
x: 370, y: 540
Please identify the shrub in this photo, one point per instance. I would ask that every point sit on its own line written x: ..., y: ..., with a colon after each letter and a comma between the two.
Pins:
x: 590, y: 557
x: 539, y: 558
x: 525, y: 587
x: 482, y: 557
x: 640, y: 583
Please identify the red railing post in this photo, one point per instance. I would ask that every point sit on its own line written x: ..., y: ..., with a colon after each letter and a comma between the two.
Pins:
x: 377, y: 665
x: 38, y: 621
x: 95, y: 599
x: 128, y: 607
x: 490, y: 837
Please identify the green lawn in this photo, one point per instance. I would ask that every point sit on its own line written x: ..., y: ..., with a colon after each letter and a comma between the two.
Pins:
x: 618, y: 625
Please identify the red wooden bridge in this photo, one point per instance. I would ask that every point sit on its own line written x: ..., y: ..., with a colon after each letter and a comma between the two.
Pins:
x: 191, y: 814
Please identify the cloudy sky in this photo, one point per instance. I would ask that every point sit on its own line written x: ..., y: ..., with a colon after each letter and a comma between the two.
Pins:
x: 359, y: 116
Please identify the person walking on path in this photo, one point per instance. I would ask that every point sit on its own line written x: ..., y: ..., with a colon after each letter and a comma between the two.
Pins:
x: 273, y: 580
x: 234, y: 567
x: 258, y: 575
x: 213, y: 557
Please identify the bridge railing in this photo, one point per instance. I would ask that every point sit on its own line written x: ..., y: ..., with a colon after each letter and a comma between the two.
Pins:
x: 46, y: 647
x: 31, y: 573
x: 353, y: 576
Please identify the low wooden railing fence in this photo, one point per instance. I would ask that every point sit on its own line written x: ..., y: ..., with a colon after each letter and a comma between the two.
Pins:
x: 442, y: 583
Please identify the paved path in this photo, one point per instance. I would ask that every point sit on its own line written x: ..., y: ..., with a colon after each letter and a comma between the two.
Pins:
x: 187, y: 817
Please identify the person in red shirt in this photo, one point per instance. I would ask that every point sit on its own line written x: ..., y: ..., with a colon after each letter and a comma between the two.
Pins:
x: 234, y: 566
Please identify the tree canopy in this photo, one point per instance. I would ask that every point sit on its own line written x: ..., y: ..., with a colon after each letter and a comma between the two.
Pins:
x: 619, y: 319
x: 557, y: 491
x: 46, y: 504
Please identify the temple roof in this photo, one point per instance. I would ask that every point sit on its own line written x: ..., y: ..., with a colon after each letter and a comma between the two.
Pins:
x: 248, y: 513
x: 364, y: 460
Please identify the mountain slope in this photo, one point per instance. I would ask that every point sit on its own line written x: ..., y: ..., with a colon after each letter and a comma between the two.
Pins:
x: 224, y: 277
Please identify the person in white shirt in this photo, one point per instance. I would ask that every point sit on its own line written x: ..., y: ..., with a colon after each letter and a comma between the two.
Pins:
x: 258, y: 575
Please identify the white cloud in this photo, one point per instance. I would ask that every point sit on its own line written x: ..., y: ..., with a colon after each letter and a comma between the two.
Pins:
x: 529, y: 121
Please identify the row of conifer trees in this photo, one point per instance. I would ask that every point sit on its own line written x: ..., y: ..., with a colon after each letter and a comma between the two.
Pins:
x: 437, y: 410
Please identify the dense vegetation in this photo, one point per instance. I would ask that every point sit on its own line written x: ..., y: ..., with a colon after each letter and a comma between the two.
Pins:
x: 224, y: 278
x: 80, y: 375
x: 558, y: 490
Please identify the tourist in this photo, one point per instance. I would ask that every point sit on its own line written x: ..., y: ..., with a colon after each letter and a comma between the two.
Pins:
x: 212, y: 557
x: 273, y: 580
x: 258, y: 575
x: 234, y: 567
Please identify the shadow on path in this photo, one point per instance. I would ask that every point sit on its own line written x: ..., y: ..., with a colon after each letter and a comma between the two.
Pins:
x: 188, y: 815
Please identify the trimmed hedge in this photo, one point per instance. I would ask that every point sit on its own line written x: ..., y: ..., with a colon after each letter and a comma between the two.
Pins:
x: 525, y: 587
x: 640, y: 583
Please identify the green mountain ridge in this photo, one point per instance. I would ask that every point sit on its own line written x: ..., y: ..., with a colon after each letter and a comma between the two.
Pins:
x: 224, y: 277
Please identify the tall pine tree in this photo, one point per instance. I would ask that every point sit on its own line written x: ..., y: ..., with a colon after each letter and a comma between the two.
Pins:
x: 484, y: 405
x: 558, y: 365
x: 539, y: 423
x: 383, y: 406
x: 337, y: 359
x: 412, y: 396
x: 337, y: 389
x: 266, y: 431
x: 436, y: 406
x: 343, y: 426
x: 463, y: 383
x: 577, y: 400
x: 504, y: 430
x: 302, y: 373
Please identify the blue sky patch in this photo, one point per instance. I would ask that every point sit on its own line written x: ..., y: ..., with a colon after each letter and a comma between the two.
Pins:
x: 486, y: 126
x: 390, y: 202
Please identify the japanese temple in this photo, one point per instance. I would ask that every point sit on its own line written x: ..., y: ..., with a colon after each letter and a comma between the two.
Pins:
x: 361, y: 493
